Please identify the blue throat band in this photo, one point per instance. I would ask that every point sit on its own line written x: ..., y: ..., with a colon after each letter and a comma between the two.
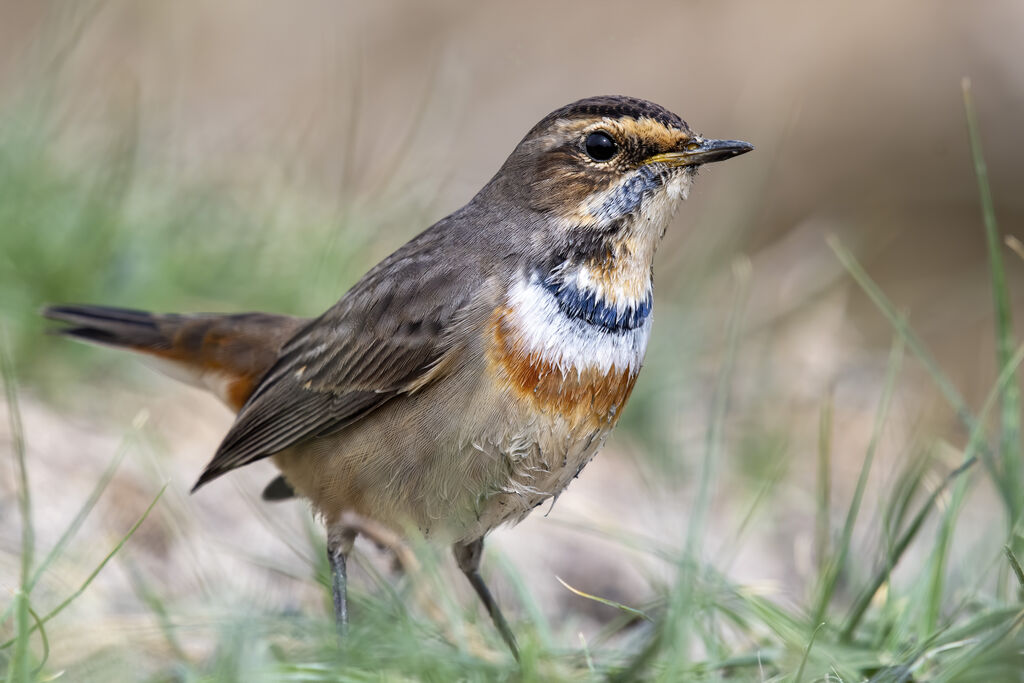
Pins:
x: 585, y: 306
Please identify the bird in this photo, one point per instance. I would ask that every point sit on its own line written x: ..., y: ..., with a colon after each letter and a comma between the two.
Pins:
x: 469, y: 376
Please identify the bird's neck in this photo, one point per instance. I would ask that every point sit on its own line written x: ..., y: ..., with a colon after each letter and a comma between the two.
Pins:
x: 580, y: 313
x: 612, y: 292
x: 609, y: 260
x: 619, y: 278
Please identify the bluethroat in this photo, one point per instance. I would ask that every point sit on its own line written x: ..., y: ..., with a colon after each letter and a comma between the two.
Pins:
x: 471, y: 374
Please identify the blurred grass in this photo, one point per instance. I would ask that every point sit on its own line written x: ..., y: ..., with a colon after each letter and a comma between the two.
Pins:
x: 100, y: 228
x: 107, y: 231
x: 1010, y: 482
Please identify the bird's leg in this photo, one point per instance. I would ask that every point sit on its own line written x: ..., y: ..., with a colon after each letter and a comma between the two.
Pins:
x: 468, y: 557
x: 339, y: 543
x: 339, y: 586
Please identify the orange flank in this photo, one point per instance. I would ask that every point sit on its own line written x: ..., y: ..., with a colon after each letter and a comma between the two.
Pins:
x: 239, y: 391
x: 218, y: 356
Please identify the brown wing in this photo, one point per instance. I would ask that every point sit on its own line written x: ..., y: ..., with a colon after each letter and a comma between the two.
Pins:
x: 382, y: 339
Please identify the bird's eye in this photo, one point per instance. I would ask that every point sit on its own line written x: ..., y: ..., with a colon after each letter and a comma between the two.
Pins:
x: 600, y: 146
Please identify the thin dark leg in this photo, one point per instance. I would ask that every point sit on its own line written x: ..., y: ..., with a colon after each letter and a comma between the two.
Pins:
x: 492, y: 608
x: 339, y: 580
x: 468, y: 556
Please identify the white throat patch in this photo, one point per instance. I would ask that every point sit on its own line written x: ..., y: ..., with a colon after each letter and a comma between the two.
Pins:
x: 568, y: 343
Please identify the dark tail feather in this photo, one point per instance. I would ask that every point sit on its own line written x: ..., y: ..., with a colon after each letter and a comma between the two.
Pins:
x: 208, y: 348
x: 109, y: 326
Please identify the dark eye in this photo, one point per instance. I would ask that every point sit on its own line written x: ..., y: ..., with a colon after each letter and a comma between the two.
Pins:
x: 600, y: 146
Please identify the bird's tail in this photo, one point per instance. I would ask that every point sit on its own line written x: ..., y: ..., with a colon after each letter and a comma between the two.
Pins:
x: 225, y: 354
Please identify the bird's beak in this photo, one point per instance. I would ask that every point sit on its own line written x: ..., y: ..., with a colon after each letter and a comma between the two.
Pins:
x: 700, y: 151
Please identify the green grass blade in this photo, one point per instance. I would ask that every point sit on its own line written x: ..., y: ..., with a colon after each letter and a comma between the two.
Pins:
x: 831, y: 573
x: 160, y: 613
x: 43, y: 638
x: 807, y: 653
x: 680, y: 608
x: 80, y: 516
x: 822, y: 516
x: 900, y: 325
x: 899, y: 547
x: 19, y: 670
x: 940, y: 553
x: 1015, y: 566
x: 713, y: 436
x: 987, y: 620
x: 1010, y: 418
x: 955, y: 670
x: 95, y: 572
x: 893, y: 367
x: 975, y: 442
x: 605, y: 601
x: 727, y: 555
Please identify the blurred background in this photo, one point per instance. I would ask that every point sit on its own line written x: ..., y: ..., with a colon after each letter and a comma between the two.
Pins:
x: 234, y: 156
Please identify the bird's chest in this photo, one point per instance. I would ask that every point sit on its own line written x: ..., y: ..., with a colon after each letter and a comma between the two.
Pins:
x: 567, y: 355
x: 564, y: 365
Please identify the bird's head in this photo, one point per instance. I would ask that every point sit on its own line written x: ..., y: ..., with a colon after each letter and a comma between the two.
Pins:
x: 607, y: 173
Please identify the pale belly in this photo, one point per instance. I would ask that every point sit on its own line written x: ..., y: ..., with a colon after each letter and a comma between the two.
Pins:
x: 537, y: 473
x: 488, y: 457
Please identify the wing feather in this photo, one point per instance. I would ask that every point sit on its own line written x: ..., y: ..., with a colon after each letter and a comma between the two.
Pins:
x: 387, y: 336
